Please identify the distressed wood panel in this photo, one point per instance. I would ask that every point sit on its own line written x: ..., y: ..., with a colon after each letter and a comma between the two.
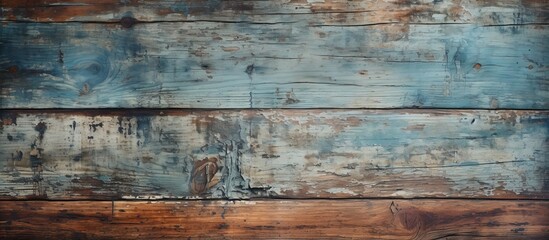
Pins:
x: 315, y: 12
x: 274, y: 153
x: 379, y: 219
x: 435, y: 153
x: 278, y: 65
x: 88, y: 155
x: 54, y: 220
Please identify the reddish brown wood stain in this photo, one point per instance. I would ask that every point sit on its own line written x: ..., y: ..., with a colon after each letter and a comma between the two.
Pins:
x: 385, y: 219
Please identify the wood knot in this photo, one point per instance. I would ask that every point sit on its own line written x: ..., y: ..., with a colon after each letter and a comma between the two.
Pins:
x: 477, y: 66
x: 128, y: 22
x: 203, y: 173
x: 412, y: 219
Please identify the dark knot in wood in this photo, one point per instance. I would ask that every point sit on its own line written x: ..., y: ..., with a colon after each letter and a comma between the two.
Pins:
x: 128, y: 22
x: 203, y: 173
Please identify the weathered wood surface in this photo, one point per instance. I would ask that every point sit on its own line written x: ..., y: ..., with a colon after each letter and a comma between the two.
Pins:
x: 126, y: 154
x: 337, y: 12
x: 370, y: 219
x: 408, y: 153
x: 276, y: 54
x: 273, y: 153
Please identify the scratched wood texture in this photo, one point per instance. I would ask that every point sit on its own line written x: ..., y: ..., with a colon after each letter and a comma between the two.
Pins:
x: 122, y: 154
x: 274, y: 54
x: 301, y: 112
x: 340, y: 12
x: 371, y: 219
x: 409, y: 153
x: 273, y: 153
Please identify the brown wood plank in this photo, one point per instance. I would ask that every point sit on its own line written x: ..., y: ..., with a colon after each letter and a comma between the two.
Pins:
x: 54, y: 220
x: 268, y: 219
x: 114, y: 154
x: 334, y: 12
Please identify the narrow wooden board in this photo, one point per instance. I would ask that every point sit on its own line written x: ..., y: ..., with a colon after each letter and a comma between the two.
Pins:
x: 379, y: 219
x: 340, y: 12
x: 279, y: 65
x: 412, y: 153
x: 55, y: 220
x: 124, y: 154
x: 275, y: 153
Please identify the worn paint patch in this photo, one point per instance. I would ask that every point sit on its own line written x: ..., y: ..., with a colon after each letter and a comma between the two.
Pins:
x: 320, y: 153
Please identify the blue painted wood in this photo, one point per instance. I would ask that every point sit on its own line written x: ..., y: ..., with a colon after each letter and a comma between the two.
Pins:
x: 102, y: 155
x: 433, y: 153
x: 274, y: 153
x: 290, y: 65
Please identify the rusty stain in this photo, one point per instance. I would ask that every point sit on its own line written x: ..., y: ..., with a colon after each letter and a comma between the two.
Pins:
x: 13, y: 69
x: 8, y: 119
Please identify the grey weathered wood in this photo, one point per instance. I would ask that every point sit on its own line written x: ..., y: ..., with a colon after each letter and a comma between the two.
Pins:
x: 275, y: 153
x: 359, y: 55
x: 87, y: 155
x: 272, y: 219
x: 435, y: 153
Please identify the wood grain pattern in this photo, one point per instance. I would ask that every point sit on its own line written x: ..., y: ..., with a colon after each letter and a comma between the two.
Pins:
x: 88, y: 155
x: 253, y: 119
x: 372, y: 219
x: 412, y: 153
x: 273, y: 153
x: 333, y: 54
x: 340, y: 12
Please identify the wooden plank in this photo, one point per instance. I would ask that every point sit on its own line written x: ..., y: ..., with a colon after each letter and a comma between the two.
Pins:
x: 113, y: 154
x: 54, y: 220
x: 411, y: 153
x: 315, y: 12
x: 372, y: 219
x: 281, y: 65
x: 105, y: 155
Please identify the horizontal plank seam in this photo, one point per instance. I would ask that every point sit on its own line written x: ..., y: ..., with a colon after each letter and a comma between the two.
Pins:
x: 90, y: 111
x: 275, y: 23
x: 277, y: 199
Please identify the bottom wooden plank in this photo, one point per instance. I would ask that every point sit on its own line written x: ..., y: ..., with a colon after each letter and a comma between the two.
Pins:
x: 381, y: 219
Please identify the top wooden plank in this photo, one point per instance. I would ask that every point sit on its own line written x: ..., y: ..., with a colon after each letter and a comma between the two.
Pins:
x: 334, y: 12
x: 274, y: 54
